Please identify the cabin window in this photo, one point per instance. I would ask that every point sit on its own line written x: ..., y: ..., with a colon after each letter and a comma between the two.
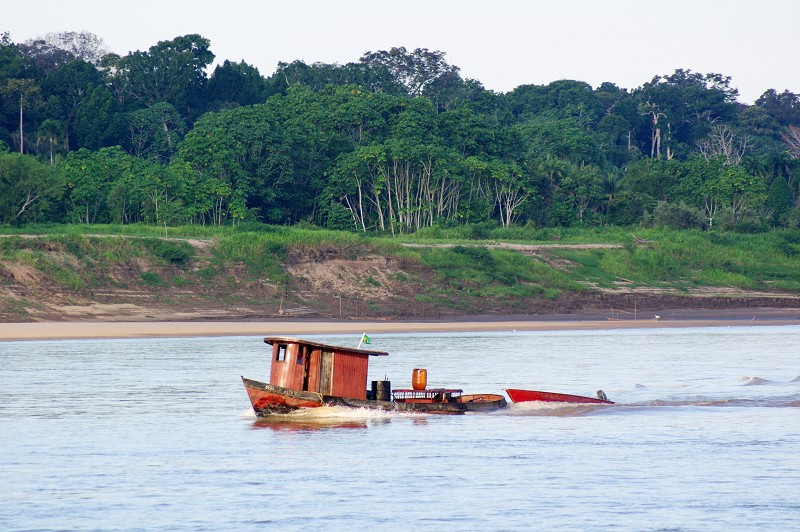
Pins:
x: 300, y: 354
x: 281, y: 357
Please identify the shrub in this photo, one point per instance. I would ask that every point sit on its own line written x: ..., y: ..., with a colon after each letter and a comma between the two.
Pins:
x: 677, y: 216
x: 174, y: 252
x: 479, y: 255
x: 792, y: 218
x: 152, y: 279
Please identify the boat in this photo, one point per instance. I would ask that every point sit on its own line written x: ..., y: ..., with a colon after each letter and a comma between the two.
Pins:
x: 525, y: 396
x: 308, y: 374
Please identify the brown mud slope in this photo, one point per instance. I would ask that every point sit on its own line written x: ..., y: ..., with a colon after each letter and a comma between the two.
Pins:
x: 329, y: 286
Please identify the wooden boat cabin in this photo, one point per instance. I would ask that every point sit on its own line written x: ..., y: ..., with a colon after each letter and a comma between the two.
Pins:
x: 309, y: 366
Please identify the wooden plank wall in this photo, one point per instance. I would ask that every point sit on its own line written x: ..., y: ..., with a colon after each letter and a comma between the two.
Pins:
x: 350, y: 375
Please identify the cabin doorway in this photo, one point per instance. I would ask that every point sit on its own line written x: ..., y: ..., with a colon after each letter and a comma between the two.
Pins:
x: 326, y: 373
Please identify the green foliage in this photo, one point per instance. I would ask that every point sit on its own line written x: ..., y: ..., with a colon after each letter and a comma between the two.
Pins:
x: 156, y: 131
x: 779, y: 200
x: 392, y: 143
x: 468, y: 274
x: 481, y: 272
x: 174, y: 252
x: 151, y: 279
x: 676, y: 216
x: 480, y: 256
x: 693, y: 258
x: 170, y: 71
x: 15, y: 306
x: 29, y: 190
x: 235, y: 83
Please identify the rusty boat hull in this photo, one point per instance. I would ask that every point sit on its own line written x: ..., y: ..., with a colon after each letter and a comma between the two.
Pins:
x: 269, y: 399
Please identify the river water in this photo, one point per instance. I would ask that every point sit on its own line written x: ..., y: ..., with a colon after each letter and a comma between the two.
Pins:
x: 157, y: 434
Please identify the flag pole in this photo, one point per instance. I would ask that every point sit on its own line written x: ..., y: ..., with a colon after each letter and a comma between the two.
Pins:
x: 360, y: 341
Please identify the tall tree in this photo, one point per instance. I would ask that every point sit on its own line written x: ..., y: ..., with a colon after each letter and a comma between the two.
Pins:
x: 222, y: 185
x: 12, y: 62
x: 415, y: 70
x: 89, y: 176
x: 680, y: 108
x: 42, y: 57
x: 779, y: 200
x: 99, y: 121
x: 82, y: 45
x: 318, y: 75
x: 50, y: 131
x: 25, y: 92
x: 155, y: 132
x: 236, y: 83
x: 70, y: 84
x: 783, y: 107
x: 712, y: 184
x: 723, y: 142
x: 171, y: 71
x: 27, y: 188
x: 510, y: 190
x: 792, y: 139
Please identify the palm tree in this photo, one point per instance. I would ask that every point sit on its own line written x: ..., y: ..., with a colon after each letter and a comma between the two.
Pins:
x: 612, y: 185
x: 51, y: 131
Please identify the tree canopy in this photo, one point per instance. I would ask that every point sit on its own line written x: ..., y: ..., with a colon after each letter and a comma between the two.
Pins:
x: 391, y: 142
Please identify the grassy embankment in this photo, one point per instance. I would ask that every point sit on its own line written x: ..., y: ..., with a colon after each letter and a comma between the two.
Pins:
x: 81, y: 261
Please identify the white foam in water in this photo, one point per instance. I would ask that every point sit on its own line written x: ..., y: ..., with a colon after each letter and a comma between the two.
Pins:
x: 540, y: 405
x: 549, y: 408
x: 342, y: 412
x: 754, y: 381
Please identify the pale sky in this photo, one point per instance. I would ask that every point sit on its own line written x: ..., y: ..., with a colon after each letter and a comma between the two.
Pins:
x: 501, y: 43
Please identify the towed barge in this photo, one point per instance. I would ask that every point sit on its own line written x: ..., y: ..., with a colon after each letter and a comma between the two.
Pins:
x: 526, y: 396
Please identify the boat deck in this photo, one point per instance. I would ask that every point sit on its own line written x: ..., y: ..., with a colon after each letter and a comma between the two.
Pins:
x: 428, y: 395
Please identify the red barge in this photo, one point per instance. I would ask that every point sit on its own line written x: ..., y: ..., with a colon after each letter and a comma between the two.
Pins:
x: 309, y: 374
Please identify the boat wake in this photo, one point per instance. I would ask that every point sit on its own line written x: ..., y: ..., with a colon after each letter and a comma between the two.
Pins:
x: 328, y: 417
x: 549, y: 408
x: 347, y: 412
x: 760, y: 402
x: 760, y: 381
x: 755, y: 381
x: 761, y: 393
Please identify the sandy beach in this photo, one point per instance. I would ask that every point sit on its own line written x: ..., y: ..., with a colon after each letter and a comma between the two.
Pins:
x: 161, y: 329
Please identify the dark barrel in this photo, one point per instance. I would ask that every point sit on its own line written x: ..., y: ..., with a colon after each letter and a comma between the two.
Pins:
x: 382, y: 390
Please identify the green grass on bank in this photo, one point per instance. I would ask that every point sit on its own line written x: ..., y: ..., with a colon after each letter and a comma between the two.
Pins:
x: 691, y: 259
x: 80, y: 263
x: 74, y: 256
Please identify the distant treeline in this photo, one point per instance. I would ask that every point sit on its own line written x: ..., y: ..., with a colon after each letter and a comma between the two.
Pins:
x: 395, y: 141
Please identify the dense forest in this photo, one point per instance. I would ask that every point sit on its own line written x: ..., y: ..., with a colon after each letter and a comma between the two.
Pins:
x: 390, y: 143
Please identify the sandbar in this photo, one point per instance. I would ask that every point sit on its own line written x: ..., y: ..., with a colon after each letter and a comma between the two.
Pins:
x: 188, y: 329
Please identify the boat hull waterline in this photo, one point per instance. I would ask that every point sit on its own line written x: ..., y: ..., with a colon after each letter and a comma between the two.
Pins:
x: 269, y: 399
x: 526, y: 396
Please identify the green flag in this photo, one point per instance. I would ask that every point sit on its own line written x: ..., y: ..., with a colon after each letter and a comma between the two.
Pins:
x: 365, y: 339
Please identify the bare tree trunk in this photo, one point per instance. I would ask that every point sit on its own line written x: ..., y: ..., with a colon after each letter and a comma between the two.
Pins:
x: 792, y: 139
x: 710, y: 207
x: 29, y: 198
x: 670, y: 153
x: 723, y: 142
x: 389, y: 206
x: 21, y: 135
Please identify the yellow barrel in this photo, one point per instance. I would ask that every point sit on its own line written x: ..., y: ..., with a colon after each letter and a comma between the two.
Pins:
x: 419, y: 378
